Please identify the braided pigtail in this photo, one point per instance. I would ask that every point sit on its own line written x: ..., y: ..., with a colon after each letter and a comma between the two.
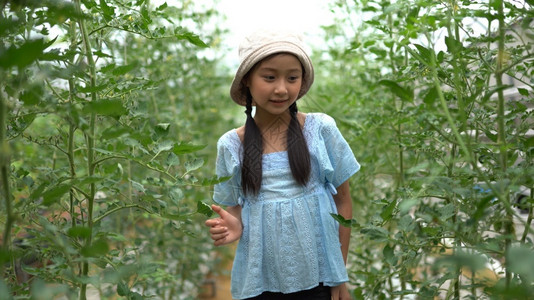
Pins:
x: 251, y: 167
x: 297, y: 149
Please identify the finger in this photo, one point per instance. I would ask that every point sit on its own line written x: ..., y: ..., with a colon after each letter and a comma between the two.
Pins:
x: 218, y: 230
x: 213, y: 222
x: 219, y: 210
x: 219, y: 236
x: 220, y: 242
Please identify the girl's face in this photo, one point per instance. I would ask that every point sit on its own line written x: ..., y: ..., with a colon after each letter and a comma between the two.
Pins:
x: 274, y: 83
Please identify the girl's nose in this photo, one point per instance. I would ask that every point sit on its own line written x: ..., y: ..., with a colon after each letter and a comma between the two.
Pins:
x: 280, y: 88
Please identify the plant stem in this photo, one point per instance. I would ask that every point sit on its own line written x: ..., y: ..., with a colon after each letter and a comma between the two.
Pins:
x: 457, y: 72
x: 501, y: 138
x: 109, y: 212
x: 90, y: 135
x: 4, y: 173
x: 529, y: 218
x: 72, y: 129
x: 457, y: 243
x: 447, y: 113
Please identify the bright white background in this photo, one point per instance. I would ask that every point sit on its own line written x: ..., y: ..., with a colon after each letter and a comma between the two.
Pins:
x: 244, y: 16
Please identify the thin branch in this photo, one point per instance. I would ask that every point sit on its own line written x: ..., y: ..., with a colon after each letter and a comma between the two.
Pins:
x: 109, y: 212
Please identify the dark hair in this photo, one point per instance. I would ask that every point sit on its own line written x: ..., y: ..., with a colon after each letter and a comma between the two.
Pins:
x: 297, y: 151
x: 251, y: 167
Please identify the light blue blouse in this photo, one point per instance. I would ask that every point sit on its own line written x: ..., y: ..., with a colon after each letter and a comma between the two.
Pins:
x: 290, y: 242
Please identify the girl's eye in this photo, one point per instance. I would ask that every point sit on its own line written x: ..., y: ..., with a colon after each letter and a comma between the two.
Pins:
x: 293, y: 78
x: 268, y: 77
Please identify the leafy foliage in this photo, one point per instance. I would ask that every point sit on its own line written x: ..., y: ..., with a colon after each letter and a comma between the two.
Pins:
x: 438, y: 110
x: 104, y: 162
x: 109, y: 114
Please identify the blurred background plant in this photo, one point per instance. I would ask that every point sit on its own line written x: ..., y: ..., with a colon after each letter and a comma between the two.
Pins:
x: 436, y: 100
x: 106, y: 111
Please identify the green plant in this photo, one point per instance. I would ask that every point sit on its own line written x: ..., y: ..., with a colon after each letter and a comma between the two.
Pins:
x: 102, y: 159
x: 420, y: 88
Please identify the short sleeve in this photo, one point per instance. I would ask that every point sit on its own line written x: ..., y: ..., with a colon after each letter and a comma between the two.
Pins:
x: 227, y: 165
x: 340, y: 162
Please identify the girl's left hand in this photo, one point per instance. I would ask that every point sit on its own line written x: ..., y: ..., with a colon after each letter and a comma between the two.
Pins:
x: 340, y: 292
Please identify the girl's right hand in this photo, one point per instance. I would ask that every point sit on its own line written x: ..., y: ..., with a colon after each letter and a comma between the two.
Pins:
x: 227, y: 228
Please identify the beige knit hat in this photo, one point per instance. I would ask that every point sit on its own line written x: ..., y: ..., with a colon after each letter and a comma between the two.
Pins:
x: 260, y: 45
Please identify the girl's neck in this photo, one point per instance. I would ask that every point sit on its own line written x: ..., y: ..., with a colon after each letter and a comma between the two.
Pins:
x: 266, y: 122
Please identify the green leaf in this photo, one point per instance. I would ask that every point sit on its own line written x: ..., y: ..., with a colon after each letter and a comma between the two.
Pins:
x: 492, y: 136
x: 172, y: 159
x: 138, y: 186
x: 424, y: 53
x: 203, y: 208
x: 387, y: 211
x: 194, y: 39
x: 32, y: 95
x: 164, y: 146
x: 175, y: 217
x: 404, y: 94
x: 121, y: 70
x: 389, y: 255
x: 523, y: 92
x: 520, y: 260
x: 462, y: 258
x: 79, y: 232
x: 90, y: 89
x: 375, y: 233
x: 99, y: 53
x: 108, y: 68
x: 108, y: 12
x: 24, y: 55
x: 9, y: 25
x: 36, y: 193
x: 88, y: 179
x: 55, y: 193
x: 122, y: 289
x: 96, y: 249
x: 406, y: 223
x: 162, y: 7
x: 431, y: 96
x: 344, y: 222
x: 193, y: 164
x: 176, y: 194
x: 145, y: 14
x: 446, y: 212
x: 453, y: 45
x: 162, y: 128
x: 114, y: 132
x: 5, y: 256
x: 214, y: 180
x: 184, y: 148
x: 5, y: 292
x: 106, y: 107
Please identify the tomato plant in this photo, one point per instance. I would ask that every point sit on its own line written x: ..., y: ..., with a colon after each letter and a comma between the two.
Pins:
x: 436, y: 98
x: 104, y: 165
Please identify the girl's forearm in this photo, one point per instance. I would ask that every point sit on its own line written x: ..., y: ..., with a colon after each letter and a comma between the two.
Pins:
x: 344, y: 208
x: 344, y: 232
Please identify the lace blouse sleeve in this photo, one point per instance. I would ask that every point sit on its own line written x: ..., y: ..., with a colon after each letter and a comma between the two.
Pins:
x: 339, y: 163
x: 227, y: 165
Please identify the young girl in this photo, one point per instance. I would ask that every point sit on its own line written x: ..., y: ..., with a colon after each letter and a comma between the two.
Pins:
x: 289, y: 172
